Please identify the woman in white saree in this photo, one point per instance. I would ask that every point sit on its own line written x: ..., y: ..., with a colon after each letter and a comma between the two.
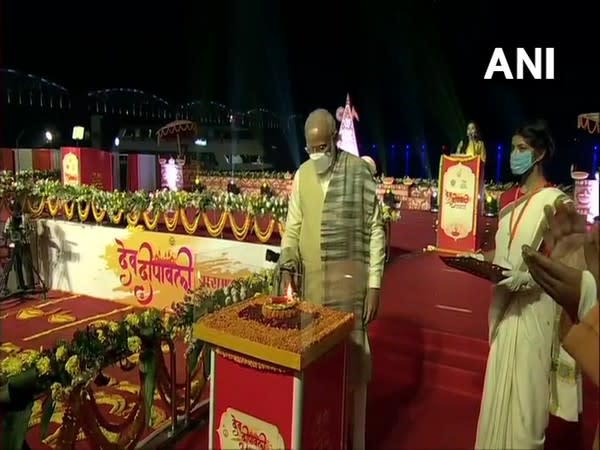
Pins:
x: 516, y: 394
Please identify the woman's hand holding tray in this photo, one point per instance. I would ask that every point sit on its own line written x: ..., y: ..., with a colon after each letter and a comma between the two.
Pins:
x: 480, y: 269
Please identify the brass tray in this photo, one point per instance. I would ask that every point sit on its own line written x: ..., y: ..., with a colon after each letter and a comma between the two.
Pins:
x: 480, y: 269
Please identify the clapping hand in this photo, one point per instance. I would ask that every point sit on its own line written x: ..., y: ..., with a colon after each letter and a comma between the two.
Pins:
x: 565, y: 231
x: 559, y: 281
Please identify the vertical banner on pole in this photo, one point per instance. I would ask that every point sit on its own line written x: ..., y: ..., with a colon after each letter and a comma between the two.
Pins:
x: 460, y: 183
x: 71, y: 166
x: 87, y: 166
x: 586, y: 198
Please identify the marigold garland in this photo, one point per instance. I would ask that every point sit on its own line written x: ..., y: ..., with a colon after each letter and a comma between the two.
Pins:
x: 116, y: 218
x: 53, y: 206
x: 171, y: 219
x: 190, y: 228
x: 69, y: 210
x: 83, y: 212
x: 264, y: 236
x: 215, y: 230
x: 240, y: 233
x: 98, y: 213
x: 133, y: 218
x: 34, y: 210
x: 151, y: 222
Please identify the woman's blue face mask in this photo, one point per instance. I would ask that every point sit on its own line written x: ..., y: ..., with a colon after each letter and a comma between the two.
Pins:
x: 521, y: 161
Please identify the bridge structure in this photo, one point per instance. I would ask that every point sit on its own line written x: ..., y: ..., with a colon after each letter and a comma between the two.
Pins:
x: 33, y: 105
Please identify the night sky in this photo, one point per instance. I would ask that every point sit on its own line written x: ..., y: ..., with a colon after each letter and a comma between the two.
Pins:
x: 414, y: 68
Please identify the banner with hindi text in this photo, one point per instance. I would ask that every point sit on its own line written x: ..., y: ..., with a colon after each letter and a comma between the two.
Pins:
x: 139, y: 267
x: 460, y: 191
x: 587, y: 198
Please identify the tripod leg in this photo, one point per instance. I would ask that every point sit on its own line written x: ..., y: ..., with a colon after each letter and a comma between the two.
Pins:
x: 19, y: 266
x: 27, y: 261
x: 6, y: 274
x: 36, y: 278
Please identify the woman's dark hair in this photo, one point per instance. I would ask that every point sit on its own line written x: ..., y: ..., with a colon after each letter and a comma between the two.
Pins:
x: 537, y: 135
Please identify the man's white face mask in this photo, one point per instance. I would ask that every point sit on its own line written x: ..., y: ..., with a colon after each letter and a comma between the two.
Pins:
x: 321, y: 160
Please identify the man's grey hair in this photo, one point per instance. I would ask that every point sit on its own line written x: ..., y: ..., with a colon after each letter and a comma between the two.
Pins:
x: 318, y: 117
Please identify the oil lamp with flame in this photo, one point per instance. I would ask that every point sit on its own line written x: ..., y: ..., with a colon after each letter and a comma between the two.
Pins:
x: 288, y: 300
x: 281, y: 307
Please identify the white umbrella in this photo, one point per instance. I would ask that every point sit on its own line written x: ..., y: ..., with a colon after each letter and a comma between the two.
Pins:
x: 589, y: 122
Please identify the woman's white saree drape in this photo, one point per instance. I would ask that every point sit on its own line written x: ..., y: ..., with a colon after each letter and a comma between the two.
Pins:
x: 516, y: 393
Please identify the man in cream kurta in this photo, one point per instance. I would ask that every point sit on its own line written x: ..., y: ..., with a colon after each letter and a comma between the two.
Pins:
x: 334, y: 230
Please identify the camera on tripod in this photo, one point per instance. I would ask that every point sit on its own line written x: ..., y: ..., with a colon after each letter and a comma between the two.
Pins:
x: 15, y: 230
x: 271, y: 256
x: 16, y: 234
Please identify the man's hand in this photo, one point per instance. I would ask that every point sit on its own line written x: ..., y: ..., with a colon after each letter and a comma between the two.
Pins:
x: 559, y: 281
x: 371, y: 306
x: 565, y: 230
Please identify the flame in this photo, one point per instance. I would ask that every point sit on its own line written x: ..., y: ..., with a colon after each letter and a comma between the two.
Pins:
x: 288, y: 292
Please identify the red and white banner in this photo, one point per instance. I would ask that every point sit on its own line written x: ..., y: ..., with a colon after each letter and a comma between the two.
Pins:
x: 461, y: 179
x: 88, y: 166
x: 586, y: 198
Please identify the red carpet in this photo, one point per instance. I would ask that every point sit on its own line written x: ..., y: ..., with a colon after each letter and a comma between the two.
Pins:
x: 429, y: 348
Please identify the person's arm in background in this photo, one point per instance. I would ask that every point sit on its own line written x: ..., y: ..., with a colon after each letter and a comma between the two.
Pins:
x: 582, y: 342
x: 459, y: 148
x: 483, y: 153
x: 376, y: 248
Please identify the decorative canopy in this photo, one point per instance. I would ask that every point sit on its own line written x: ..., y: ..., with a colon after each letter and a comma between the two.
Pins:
x: 176, y: 129
x: 589, y: 122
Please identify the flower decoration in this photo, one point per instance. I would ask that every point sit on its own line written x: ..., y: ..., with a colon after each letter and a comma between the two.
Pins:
x: 72, y: 365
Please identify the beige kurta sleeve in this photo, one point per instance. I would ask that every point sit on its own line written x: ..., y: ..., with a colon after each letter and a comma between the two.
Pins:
x: 377, y: 248
x: 293, y: 225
